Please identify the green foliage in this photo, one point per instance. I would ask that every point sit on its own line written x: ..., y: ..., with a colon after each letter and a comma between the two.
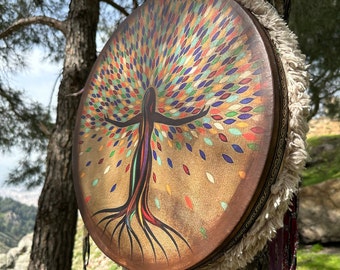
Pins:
x: 324, y: 160
x: 27, y: 125
x: 316, y: 24
x: 315, y: 259
x: 317, y: 248
x: 24, y: 38
x: 16, y: 220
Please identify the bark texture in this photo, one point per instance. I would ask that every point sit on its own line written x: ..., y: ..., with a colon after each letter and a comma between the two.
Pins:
x: 282, y: 7
x: 55, y: 225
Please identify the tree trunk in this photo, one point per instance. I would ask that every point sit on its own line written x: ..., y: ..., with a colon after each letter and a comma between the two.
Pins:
x: 316, y: 100
x: 282, y: 7
x: 56, y: 220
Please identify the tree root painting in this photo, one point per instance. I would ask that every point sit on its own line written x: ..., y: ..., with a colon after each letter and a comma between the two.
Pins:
x: 140, y: 175
x: 173, y: 131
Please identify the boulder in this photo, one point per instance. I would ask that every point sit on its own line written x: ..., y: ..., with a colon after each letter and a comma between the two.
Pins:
x: 17, y: 258
x: 24, y: 246
x: 319, y: 213
x: 3, y: 261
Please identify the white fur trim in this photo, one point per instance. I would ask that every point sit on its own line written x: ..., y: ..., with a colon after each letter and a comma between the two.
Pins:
x: 271, y: 218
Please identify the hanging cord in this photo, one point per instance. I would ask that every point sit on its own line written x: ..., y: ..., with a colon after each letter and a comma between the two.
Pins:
x: 86, y: 247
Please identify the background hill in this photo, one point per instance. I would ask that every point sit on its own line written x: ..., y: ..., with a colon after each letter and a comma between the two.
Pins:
x: 16, y: 220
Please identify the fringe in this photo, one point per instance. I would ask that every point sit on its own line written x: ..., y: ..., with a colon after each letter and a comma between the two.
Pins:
x: 286, y: 186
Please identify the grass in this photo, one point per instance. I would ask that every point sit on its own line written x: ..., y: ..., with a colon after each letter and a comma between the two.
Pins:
x: 324, y: 160
x: 315, y: 258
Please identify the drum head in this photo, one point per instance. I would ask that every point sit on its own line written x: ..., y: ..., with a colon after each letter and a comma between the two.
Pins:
x: 179, y: 134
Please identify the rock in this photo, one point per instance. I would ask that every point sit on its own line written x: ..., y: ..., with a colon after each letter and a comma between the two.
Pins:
x: 25, y: 243
x: 3, y: 261
x: 22, y: 261
x: 319, y: 213
x: 12, y: 255
x: 17, y: 258
x: 24, y: 246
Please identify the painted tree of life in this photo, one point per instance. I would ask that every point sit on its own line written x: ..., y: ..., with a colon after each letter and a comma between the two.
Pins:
x: 174, y: 133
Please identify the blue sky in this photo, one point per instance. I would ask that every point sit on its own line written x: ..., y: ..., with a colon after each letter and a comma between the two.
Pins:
x: 37, y: 80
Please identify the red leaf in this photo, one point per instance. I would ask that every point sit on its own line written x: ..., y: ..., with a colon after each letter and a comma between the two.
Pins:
x: 223, y: 137
x: 246, y: 109
x: 217, y: 117
x: 225, y: 96
x: 257, y: 130
x: 245, y: 81
x: 186, y: 169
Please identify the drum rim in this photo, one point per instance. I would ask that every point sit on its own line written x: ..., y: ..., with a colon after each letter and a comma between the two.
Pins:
x: 276, y: 149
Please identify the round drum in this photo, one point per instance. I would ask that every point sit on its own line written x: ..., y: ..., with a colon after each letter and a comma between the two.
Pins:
x: 180, y: 134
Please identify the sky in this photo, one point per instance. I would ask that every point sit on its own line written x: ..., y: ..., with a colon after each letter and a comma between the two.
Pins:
x: 38, y: 81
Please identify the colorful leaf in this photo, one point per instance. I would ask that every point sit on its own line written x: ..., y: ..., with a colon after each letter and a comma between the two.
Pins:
x: 189, y: 202
x: 186, y: 169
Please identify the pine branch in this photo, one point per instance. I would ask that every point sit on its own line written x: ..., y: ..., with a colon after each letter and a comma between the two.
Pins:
x: 44, y: 20
x: 135, y: 4
x: 24, y: 114
x: 116, y: 6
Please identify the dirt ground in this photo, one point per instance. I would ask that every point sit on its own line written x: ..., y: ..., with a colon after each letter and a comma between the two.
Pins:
x: 323, y: 126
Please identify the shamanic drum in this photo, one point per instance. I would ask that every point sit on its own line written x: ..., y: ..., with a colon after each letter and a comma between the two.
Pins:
x: 180, y: 134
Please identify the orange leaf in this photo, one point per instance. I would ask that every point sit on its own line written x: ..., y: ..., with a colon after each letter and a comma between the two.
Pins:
x: 189, y: 202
